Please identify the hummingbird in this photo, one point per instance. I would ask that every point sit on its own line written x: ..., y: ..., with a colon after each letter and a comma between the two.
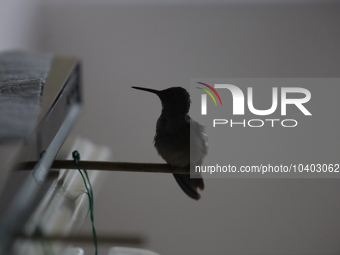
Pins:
x: 175, y: 130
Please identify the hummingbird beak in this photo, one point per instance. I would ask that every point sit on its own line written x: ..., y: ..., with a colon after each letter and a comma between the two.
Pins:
x: 148, y: 90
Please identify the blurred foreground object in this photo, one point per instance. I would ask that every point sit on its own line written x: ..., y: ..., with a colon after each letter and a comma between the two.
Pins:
x: 42, y: 211
x: 130, y: 251
x: 39, y: 101
x: 65, y: 205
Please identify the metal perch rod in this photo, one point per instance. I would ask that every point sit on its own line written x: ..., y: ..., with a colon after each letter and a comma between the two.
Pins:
x: 110, y: 166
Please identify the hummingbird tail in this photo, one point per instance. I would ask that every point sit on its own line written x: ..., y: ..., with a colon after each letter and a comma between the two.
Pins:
x: 189, y: 186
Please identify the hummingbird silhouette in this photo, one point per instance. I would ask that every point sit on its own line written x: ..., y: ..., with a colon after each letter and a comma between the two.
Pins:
x: 175, y: 130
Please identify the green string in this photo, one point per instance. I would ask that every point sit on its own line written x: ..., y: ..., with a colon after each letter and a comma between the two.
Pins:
x: 89, y: 191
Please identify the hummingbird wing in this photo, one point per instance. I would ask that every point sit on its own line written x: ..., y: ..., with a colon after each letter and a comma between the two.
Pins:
x: 182, y: 143
x: 198, y: 150
x: 198, y: 143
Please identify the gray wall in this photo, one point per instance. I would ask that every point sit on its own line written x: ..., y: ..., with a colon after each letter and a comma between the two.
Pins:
x: 160, y: 46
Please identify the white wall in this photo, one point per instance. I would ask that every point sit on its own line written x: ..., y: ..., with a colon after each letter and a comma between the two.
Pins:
x: 20, y: 24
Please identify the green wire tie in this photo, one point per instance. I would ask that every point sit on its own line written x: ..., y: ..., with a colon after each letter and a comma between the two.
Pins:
x: 89, y: 191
